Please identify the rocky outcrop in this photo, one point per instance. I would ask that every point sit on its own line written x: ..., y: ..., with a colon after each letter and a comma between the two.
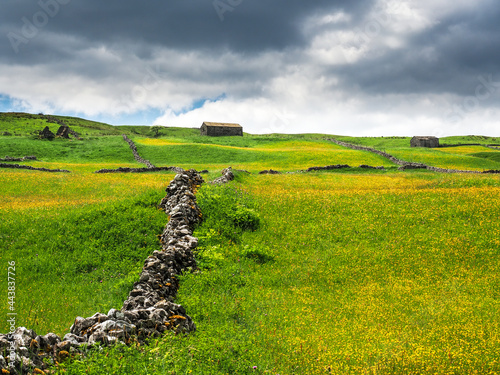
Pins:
x: 63, y: 132
x: 19, y: 166
x: 149, y: 309
x: 46, y: 134
x: 136, y: 154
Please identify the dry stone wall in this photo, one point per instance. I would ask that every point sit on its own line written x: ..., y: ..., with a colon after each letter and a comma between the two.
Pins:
x: 227, y: 175
x: 363, y: 148
x: 269, y: 171
x: 136, y: 154
x: 149, y: 309
x: 468, y: 144
x: 404, y: 164
x: 324, y: 168
x: 24, y: 158
x: 19, y: 166
x: 140, y: 170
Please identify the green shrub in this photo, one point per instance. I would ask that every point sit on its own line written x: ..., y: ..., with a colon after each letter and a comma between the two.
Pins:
x: 260, y: 255
x: 227, y: 213
x: 245, y: 218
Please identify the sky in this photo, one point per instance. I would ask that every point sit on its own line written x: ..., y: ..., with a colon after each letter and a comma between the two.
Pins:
x: 345, y: 67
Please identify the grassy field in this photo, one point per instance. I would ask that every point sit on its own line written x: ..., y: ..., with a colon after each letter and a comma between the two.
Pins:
x: 253, y: 153
x: 474, y: 158
x: 443, y: 158
x: 352, y: 272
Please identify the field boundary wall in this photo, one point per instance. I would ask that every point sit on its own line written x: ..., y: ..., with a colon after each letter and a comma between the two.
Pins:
x: 148, y: 311
x: 137, y: 157
x: 404, y: 164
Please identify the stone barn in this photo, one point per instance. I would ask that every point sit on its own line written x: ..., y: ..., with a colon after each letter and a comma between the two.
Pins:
x: 429, y: 142
x: 219, y: 129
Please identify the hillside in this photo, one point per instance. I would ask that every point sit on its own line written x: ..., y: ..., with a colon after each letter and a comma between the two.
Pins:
x: 346, y: 270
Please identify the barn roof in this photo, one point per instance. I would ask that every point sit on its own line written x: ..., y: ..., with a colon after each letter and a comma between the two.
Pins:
x: 222, y: 124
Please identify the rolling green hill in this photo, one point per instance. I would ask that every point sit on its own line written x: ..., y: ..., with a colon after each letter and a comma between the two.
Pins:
x: 30, y: 124
x: 354, y: 271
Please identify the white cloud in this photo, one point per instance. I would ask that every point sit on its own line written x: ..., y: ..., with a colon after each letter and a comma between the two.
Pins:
x: 290, y: 90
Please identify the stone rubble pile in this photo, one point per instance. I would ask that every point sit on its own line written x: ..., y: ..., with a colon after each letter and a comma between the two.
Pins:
x: 46, y: 134
x: 74, y: 134
x: 227, y: 175
x: 149, y: 309
x: 63, y: 132
x: 136, y: 154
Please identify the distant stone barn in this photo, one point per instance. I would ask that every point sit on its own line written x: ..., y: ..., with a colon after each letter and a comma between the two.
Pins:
x: 220, y: 129
x: 429, y: 142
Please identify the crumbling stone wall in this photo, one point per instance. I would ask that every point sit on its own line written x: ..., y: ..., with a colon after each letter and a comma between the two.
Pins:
x: 149, y: 309
x: 137, y: 157
x: 73, y: 133
x: 140, y: 170
x: 63, y: 132
x: 363, y: 148
x: 19, y: 166
x: 46, y: 134
x: 227, y: 175
x: 24, y: 158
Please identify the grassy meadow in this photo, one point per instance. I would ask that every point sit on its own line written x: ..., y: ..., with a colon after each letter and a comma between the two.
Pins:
x: 344, y: 272
x: 473, y: 158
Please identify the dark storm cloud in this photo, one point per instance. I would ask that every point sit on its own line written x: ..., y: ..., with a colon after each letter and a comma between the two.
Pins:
x: 454, y: 56
x: 307, y: 57
x: 239, y: 25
